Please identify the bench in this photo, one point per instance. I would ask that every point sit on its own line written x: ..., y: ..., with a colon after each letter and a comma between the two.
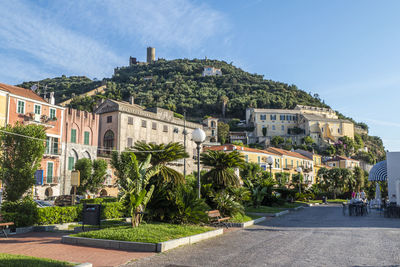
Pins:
x: 4, y: 225
x: 215, y: 218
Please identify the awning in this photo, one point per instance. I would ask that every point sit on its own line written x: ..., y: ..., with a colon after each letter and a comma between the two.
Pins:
x: 378, y: 172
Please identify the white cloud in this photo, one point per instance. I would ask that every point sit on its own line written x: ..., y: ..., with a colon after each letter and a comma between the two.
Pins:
x: 26, y: 32
x: 178, y: 23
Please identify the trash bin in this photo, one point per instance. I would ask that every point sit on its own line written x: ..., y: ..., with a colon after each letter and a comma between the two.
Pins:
x: 91, y: 215
x: 324, y: 199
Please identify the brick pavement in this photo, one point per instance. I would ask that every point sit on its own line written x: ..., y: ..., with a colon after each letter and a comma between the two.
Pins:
x: 48, y: 245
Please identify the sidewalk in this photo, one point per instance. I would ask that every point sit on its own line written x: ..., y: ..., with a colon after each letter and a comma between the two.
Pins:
x: 48, y: 245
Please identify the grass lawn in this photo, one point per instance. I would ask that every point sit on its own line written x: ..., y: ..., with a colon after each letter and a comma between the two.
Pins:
x: 273, y: 209
x: 147, y: 233
x: 239, y: 218
x: 104, y: 224
x: 22, y: 261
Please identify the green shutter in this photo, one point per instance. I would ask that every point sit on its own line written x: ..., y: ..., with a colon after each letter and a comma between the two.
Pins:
x: 21, y: 107
x: 49, y: 172
x: 52, y: 113
x: 71, y: 163
x: 73, y: 136
x: 86, y: 140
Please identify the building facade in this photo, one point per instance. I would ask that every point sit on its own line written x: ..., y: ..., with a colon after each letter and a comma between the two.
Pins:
x: 322, y: 124
x: 124, y: 123
x: 342, y: 162
x: 210, y: 127
x: 79, y: 140
x: 211, y: 71
x: 26, y: 107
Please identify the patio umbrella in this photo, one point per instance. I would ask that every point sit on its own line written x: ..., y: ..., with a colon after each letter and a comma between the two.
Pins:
x: 378, y: 173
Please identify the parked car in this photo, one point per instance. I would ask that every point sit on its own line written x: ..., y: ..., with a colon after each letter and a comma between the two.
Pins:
x: 51, y: 199
x: 66, y: 200
x: 43, y: 203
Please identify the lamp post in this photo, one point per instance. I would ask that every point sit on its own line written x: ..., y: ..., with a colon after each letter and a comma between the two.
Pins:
x: 299, y: 169
x: 198, y: 136
x: 270, y: 161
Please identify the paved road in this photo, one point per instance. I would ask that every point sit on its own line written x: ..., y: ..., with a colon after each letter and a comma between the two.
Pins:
x: 316, y: 236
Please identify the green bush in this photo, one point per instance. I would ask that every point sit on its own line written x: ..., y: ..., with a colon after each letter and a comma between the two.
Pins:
x: 112, y: 210
x: 22, y: 212
x: 99, y: 200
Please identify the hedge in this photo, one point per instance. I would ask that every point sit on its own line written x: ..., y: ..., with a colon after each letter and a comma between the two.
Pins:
x: 25, y: 213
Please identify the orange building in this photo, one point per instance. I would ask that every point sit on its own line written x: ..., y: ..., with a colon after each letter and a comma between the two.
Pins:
x: 26, y: 107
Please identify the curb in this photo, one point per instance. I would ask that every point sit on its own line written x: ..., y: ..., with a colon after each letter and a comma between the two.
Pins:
x: 246, y: 224
x: 298, y: 208
x: 140, y: 246
x: 85, y: 264
x: 280, y: 213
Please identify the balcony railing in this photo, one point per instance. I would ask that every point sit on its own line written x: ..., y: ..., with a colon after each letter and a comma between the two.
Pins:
x: 53, y: 151
x: 32, y: 118
x: 288, y: 167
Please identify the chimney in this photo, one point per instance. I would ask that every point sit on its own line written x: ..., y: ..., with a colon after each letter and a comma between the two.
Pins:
x: 131, y: 100
x: 52, y: 99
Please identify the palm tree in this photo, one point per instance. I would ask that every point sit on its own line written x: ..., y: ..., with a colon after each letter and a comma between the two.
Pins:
x: 222, y: 173
x: 161, y: 155
x: 134, y: 191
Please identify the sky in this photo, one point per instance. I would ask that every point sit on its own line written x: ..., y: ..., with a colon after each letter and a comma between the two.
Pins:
x: 345, y: 51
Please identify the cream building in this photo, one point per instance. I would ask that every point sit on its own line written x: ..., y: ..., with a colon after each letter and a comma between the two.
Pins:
x: 322, y: 124
x: 122, y: 124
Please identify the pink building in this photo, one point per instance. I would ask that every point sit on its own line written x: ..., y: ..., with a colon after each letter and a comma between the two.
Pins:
x: 79, y: 140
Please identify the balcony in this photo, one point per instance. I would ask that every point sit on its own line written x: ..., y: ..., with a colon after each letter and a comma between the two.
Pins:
x: 51, y: 180
x: 288, y: 167
x: 52, y: 151
x: 32, y: 118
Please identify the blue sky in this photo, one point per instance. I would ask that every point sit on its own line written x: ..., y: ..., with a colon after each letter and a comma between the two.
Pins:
x: 346, y: 51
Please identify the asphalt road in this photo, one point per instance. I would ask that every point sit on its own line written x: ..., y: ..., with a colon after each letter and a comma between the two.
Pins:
x: 315, y: 236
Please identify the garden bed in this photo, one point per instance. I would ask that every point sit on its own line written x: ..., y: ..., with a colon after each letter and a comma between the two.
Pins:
x: 246, y: 220
x: 154, y: 237
x: 22, y: 261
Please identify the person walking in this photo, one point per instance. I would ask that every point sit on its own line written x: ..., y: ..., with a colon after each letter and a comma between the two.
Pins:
x: 353, y: 195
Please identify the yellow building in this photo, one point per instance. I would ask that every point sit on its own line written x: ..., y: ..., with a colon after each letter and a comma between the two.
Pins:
x: 253, y: 156
x: 322, y: 124
x: 291, y: 162
x: 343, y: 162
x: 3, y: 108
x: 317, y: 161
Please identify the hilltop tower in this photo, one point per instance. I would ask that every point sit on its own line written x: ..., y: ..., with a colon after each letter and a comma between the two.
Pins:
x: 151, y: 54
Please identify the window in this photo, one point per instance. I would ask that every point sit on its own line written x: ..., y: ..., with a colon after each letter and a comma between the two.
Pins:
x: 165, y: 129
x: 130, y: 120
x: 288, y: 117
x: 282, y: 127
x: 247, y: 158
x: 52, y: 113
x: 273, y: 127
x: 258, y: 159
x: 277, y: 163
x: 73, y: 135
x: 129, y: 142
x: 282, y: 117
x: 86, y: 139
x: 49, y: 172
x: 272, y: 117
x: 109, y: 119
x: 38, y: 109
x: 338, y: 130
x: 144, y: 123
x: 71, y: 163
x: 154, y: 126
x: 263, y: 117
x: 212, y: 132
x: 21, y: 107
x: 108, y: 140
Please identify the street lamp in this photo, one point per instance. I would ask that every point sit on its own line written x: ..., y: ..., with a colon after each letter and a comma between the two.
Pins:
x: 299, y: 169
x: 198, y: 136
x: 270, y: 161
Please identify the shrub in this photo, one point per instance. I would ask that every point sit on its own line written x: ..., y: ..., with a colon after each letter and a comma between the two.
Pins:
x: 112, y: 210
x: 22, y: 212
x: 227, y: 205
x: 55, y: 215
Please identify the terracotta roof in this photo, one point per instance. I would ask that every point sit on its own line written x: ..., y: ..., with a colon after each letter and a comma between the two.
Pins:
x: 21, y: 92
x: 336, y: 158
x: 231, y: 147
x: 287, y: 153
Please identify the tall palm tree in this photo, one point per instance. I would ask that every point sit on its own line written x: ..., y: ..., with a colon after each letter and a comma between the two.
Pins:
x: 161, y: 156
x: 222, y: 173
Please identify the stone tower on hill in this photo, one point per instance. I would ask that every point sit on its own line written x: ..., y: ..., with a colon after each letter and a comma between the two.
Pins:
x: 151, y: 54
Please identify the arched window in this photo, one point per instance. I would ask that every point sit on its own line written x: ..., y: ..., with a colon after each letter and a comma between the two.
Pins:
x: 213, y: 124
x: 109, y: 139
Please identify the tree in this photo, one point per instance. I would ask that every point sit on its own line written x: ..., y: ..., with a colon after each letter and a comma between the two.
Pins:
x: 92, y: 174
x: 308, y: 140
x: 161, y: 155
x: 222, y: 165
x: 359, y: 178
x: 330, y: 150
x: 224, y: 100
x: 136, y: 178
x: 223, y: 132
x: 277, y: 141
x: 20, y: 157
x: 335, y: 179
